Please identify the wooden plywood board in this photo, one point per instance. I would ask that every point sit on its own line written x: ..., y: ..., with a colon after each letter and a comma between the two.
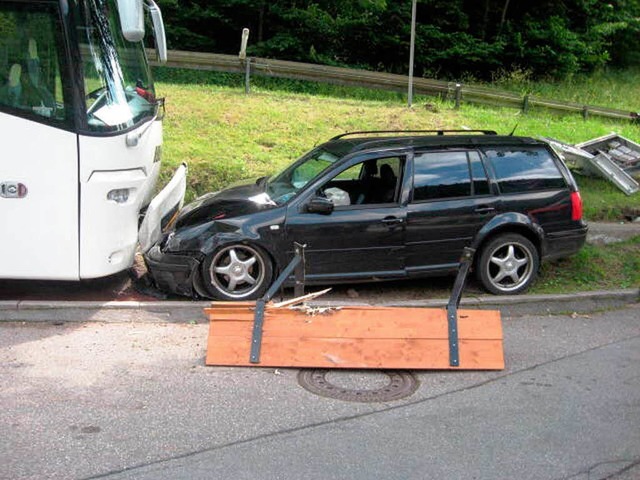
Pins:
x: 355, y: 337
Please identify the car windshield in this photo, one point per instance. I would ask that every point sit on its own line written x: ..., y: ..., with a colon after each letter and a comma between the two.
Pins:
x: 286, y: 184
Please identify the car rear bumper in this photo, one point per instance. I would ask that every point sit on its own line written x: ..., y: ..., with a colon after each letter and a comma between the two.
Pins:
x: 171, y: 272
x: 564, y: 243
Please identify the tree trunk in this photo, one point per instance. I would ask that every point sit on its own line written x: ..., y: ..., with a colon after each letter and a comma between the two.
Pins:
x: 261, y: 22
x: 485, y: 20
x: 503, y: 17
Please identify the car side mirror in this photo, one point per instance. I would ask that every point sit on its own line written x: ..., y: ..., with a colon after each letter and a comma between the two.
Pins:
x: 320, y: 205
x: 261, y: 180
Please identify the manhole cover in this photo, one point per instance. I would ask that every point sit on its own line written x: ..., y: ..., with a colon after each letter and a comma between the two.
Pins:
x: 381, y: 386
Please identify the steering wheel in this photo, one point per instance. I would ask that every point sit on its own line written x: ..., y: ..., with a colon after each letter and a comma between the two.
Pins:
x: 100, y: 96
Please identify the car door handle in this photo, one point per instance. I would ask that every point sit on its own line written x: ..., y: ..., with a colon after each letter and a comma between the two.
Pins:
x: 483, y: 210
x: 389, y: 221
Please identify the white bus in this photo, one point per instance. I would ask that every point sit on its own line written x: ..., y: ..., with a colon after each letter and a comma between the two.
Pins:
x: 80, y: 137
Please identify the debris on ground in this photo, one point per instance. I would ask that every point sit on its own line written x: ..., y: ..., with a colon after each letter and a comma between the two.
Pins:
x: 314, y: 311
x: 624, y: 152
x: 612, y: 157
x: 301, y: 299
x: 352, y: 293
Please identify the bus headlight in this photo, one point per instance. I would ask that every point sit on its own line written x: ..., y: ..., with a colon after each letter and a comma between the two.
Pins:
x: 119, y: 195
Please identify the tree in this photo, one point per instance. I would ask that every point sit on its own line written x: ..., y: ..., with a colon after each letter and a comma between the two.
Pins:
x: 454, y: 37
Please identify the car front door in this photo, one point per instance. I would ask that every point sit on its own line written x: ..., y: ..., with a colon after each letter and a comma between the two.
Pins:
x: 363, y: 236
x: 451, y: 200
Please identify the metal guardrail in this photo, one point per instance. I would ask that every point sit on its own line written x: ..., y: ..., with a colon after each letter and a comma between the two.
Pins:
x: 383, y: 81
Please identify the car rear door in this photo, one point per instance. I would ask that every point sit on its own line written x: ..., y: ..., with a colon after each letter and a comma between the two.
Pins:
x: 363, y: 237
x: 451, y: 200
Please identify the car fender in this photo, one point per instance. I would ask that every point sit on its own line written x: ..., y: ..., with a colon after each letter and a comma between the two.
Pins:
x: 510, y: 222
x: 259, y: 233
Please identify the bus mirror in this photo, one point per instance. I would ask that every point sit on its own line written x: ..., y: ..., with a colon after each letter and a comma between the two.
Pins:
x: 158, y: 30
x: 131, y: 19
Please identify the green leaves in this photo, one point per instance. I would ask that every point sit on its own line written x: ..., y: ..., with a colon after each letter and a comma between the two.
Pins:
x: 455, y: 38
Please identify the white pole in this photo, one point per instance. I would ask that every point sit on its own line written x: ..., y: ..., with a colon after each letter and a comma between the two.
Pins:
x: 411, y: 51
x: 243, y: 44
x: 247, y: 61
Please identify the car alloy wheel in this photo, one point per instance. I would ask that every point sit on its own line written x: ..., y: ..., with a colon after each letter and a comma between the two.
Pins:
x: 508, y: 264
x: 238, y: 272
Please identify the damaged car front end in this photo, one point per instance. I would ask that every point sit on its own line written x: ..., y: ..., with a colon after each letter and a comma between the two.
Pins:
x: 185, y: 262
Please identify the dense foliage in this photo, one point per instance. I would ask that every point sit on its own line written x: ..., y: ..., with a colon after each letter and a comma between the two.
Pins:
x: 454, y: 37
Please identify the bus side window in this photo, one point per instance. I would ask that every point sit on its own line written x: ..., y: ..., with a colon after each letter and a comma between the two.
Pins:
x: 31, y: 52
x: 11, y: 91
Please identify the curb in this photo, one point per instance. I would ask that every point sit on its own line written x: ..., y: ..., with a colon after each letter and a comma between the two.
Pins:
x: 190, y: 311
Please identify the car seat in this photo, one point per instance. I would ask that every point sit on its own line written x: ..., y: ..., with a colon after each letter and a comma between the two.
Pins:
x: 11, y: 92
x: 40, y: 99
x: 389, y: 182
x: 369, y: 183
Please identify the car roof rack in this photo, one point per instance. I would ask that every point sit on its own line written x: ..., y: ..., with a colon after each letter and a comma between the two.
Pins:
x: 437, y: 132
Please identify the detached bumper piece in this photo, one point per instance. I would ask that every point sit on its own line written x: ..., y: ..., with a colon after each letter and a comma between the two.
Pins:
x: 171, y: 273
x: 265, y: 334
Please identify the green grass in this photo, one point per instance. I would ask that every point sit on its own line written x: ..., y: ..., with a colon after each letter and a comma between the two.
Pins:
x: 593, y: 268
x: 606, y: 88
x: 604, y: 201
x: 225, y: 135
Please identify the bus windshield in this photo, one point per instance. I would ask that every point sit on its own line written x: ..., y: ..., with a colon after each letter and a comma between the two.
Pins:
x: 119, y: 91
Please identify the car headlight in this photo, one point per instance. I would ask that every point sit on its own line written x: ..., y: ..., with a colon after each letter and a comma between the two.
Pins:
x: 166, y: 239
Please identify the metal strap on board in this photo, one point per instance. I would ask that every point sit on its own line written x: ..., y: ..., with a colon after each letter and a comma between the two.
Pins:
x: 296, y: 266
x: 454, y: 303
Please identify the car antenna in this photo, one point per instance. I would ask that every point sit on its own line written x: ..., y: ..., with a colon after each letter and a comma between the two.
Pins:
x: 514, y: 130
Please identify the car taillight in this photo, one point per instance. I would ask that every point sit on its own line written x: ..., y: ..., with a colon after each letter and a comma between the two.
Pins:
x: 576, y: 206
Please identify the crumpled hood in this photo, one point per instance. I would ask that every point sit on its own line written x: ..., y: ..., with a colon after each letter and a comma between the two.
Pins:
x: 238, y: 200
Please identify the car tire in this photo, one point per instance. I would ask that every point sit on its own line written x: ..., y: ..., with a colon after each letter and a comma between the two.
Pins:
x: 237, y: 272
x: 508, y: 264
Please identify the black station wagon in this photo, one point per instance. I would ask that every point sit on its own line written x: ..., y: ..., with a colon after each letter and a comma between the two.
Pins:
x: 380, y: 206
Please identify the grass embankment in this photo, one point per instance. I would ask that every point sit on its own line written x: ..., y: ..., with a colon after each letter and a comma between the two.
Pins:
x: 606, y: 88
x: 225, y: 135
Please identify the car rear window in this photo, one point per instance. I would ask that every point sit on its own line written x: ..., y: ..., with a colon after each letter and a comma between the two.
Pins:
x: 525, y: 169
x: 441, y: 175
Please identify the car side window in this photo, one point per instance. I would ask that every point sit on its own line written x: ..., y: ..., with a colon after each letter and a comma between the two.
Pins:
x: 440, y: 175
x: 480, y: 181
x: 371, y: 182
x: 525, y: 169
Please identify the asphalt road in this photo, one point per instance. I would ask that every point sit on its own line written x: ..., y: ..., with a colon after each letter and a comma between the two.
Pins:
x: 134, y: 401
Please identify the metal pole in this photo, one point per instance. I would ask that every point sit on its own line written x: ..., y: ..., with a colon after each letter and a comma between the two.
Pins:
x: 411, y: 51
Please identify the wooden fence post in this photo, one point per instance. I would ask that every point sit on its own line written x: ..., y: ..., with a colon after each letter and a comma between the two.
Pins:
x: 247, y: 61
x: 458, y: 95
x: 525, y: 104
x: 247, y: 76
